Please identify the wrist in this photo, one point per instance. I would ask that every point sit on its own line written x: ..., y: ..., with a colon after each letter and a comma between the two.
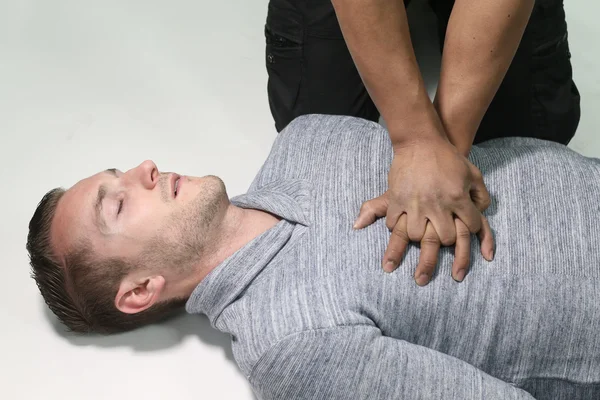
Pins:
x: 463, y: 148
x: 422, y: 126
x: 424, y: 140
x: 460, y: 124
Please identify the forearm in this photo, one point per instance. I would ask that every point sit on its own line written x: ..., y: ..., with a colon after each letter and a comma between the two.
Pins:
x: 481, y: 41
x: 377, y: 35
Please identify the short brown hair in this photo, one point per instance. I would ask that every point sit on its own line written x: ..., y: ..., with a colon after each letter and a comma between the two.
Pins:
x: 81, y: 289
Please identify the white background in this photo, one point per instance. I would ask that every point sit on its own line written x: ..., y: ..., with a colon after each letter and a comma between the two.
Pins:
x: 88, y: 85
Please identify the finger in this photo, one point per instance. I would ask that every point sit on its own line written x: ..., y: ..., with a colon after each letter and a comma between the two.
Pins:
x: 397, y: 246
x: 392, y: 216
x: 470, y: 216
x: 462, y: 251
x: 416, y: 225
x: 479, y: 193
x: 486, y: 238
x: 370, y: 211
x: 445, y: 227
x: 430, y: 247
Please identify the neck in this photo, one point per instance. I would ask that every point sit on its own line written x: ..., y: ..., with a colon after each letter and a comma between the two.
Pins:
x: 236, y: 228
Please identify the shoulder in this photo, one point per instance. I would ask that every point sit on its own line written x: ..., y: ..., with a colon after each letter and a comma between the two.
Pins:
x: 529, y: 155
x: 319, y: 124
x: 313, y: 142
x: 316, y: 131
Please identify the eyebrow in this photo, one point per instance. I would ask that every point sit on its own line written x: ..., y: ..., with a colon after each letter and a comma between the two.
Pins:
x: 99, y: 199
x: 98, y: 207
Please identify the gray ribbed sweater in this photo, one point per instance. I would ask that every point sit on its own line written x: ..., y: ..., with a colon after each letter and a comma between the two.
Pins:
x: 313, y: 316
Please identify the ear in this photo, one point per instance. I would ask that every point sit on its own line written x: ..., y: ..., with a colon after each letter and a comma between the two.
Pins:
x: 136, y: 296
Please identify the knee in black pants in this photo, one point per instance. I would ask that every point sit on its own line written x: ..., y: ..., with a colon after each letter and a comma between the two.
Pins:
x: 309, y: 66
x: 556, y: 100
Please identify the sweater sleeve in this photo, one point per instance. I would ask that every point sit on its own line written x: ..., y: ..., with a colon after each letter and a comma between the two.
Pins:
x: 357, y: 362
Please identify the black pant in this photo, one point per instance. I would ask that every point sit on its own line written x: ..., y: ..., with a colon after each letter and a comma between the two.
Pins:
x: 311, y: 72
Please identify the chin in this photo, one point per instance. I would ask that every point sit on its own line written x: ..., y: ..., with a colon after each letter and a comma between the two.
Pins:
x: 215, y: 183
x: 208, y: 187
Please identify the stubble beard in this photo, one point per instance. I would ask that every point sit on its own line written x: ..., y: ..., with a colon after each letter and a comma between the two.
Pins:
x: 190, y: 232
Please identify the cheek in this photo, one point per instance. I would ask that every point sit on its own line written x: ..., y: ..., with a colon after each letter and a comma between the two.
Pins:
x: 143, y: 220
x: 192, y: 188
x: 119, y: 247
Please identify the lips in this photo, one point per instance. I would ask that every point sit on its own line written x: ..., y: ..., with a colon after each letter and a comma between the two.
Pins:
x: 175, y: 184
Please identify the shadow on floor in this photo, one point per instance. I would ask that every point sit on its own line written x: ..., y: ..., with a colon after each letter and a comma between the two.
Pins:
x: 152, y: 338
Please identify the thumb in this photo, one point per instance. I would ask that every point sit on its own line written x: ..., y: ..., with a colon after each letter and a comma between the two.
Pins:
x: 371, y: 210
x: 480, y: 196
x: 479, y: 193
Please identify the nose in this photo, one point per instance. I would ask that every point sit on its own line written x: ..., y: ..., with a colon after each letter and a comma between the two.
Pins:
x: 146, y: 173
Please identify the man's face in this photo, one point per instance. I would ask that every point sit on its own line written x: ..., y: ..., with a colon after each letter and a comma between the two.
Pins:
x: 163, y: 219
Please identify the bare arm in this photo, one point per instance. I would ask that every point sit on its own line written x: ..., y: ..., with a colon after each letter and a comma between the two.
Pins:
x: 481, y: 41
x: 430, y: 182
x: 377, y: 35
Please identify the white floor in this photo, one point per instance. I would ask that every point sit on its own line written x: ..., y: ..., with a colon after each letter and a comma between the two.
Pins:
x: 87, y: 85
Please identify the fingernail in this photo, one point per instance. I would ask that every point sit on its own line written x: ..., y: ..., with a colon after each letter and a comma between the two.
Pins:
x: 491, y: 255
x: 460, y: 275
x: 423, y: 279
x: 389, y: 266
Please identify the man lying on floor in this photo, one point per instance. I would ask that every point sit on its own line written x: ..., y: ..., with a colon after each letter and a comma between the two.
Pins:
x: 311, y: 312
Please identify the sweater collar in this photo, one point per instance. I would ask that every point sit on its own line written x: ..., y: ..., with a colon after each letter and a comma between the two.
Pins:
x: 291, y: 200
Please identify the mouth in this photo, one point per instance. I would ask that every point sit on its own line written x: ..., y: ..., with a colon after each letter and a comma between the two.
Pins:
x: 175, y: 185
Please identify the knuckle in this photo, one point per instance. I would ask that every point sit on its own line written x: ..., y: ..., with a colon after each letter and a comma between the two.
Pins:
x: 413, y: 237
x: 448, y: 240
x: 389, y: 224
x: 485, y: 201
x: 428, y: 265
x: 456, y: 195
x: 430, y: 240
x: 463, y: 234
x: 400, y: 234
x: 460, y: 206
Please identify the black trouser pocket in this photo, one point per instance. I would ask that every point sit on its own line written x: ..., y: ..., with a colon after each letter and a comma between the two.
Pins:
x: 283, y: 58
x: 284, y: 68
